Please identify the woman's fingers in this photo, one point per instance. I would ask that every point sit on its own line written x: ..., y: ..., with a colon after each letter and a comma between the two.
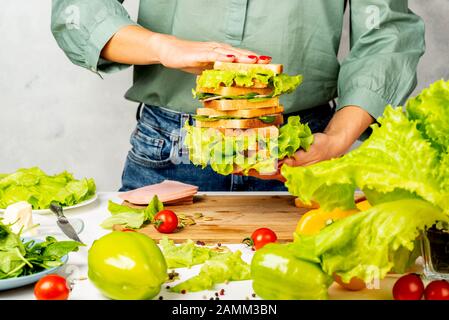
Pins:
x: 214, y: 55
x: 252, y: 58
x: 198, y: 56
x: 264, y: 60
x: 243, y: 55
x: 298, y: 159
x: 301, y: 158
x: 238, y: 55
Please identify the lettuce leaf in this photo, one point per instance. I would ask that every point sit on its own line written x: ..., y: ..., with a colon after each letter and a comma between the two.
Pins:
x: 430, y: 109
x: 284, y: 83
x: 281, y: 83
x: 39, y: 189
x: 132, y: 218
x: 293, y: 136
x: 186, y: 254
x: 219, y: 269
x: 251, y: 96
x: 222, y: 152
x: 115, y: 208
x: 396, y: 162
x: 369, y: 244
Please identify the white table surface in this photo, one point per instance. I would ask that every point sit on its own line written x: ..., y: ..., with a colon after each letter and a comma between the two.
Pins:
x: 95, y: 213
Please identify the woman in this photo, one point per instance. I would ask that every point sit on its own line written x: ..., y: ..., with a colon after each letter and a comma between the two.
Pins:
x: 176, y: 39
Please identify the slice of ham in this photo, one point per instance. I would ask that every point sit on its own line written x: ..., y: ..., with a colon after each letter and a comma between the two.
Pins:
x: 167, y: 191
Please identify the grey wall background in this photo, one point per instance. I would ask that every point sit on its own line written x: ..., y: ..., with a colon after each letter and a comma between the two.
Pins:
x: 61, y: 117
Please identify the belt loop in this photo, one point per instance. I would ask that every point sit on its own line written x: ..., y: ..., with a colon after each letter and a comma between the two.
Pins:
x: 184, y: 117
x: 139, y: 111
x: 181, y: 150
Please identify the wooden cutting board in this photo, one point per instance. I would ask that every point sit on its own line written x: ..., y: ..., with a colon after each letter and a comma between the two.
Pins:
x: 229, y: 219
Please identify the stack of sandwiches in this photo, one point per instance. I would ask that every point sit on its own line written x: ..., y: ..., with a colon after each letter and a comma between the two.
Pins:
x: 242, y: 96
x: 238, y: 128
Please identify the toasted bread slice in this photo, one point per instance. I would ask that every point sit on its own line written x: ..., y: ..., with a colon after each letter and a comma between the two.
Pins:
x: 276, y: 68
x: 239, y: 123
x: 240, y: 104
x: 243, y: 113
x: 235, y: 91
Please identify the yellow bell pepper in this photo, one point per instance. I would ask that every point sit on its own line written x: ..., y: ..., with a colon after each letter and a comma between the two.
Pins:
x: 363, y: 205
x: 314, y: 220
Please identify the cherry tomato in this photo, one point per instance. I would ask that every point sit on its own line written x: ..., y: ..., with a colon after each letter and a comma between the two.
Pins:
x: 408, y: 287
x: 261, y: 237
x: 437, y: 290
x: 52, y: 287
x: 355, y: 284
x: 166, y: 221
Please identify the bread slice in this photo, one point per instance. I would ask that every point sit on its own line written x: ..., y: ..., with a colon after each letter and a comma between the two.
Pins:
x: 239, y: 123
x: 243, y: 113
x: 235, y: 91
x: 266, y: 132
x: 240, y: 104
x: 276, y: 68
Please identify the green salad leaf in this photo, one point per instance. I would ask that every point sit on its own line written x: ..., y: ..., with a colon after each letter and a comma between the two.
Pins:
x: 282, y: 83
x: 18, y: 258
x: 403, y: 169
x: 250, y: 97
x: 222, y: 152
x: 132, y: 218
x: 396, y: 162
x: 294, y: 136
x: 430, y: 110
x: 369, y: 244
x: 115, y: 208
x: 39, y: 189
x: 219, y: 269
x: 186, y: 254
x: 267, y: 119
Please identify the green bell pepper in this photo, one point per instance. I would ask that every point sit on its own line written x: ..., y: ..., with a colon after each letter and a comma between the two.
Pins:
x: 279, y: 275
x: 127, y: 266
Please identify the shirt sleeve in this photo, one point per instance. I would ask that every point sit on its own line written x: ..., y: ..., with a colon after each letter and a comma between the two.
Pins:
x: 387, y: 41
x: 83, y: 27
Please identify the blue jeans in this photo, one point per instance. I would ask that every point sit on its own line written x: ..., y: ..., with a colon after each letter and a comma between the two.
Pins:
x: 156, y: 143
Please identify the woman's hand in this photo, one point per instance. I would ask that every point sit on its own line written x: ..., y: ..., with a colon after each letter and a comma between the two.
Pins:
x: 324, y: 147
x: 342, y: 131
x: 194, y: 57
x: 135, y: 45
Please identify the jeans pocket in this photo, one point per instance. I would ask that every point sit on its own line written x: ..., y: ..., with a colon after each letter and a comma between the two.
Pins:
x: 149, y: 149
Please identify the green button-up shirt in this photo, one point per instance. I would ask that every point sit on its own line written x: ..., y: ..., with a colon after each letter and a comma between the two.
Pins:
x: 387, y: 40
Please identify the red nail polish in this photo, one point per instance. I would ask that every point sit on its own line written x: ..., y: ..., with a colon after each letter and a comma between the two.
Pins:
x: 264, y: 58
x: 252, y: 57
x: 230, y: 56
